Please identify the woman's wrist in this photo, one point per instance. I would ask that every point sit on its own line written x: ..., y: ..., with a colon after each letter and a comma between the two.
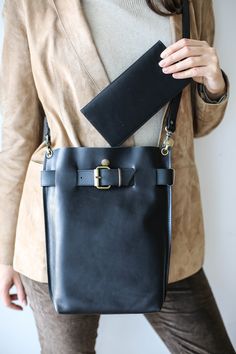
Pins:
x: 216, y: 95
x: 218, y: 92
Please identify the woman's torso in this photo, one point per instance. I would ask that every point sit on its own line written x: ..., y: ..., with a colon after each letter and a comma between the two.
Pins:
x: 56, y: 47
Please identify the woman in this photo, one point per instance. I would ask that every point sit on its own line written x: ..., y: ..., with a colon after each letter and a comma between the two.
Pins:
x: 57, y: 55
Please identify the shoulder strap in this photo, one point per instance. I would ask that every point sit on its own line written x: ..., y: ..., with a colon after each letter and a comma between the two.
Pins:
x: 174, y: 103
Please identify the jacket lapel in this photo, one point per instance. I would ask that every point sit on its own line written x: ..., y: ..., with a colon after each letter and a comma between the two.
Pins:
x: 78, y: 33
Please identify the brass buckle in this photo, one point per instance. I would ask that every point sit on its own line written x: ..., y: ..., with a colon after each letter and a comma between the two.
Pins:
x: 97, y: 177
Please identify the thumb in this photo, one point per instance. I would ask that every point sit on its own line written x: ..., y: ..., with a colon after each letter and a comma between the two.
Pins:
x: 20, y: 290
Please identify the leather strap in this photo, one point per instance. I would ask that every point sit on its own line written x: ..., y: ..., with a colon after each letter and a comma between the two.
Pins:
x: 48, y: 178
x: 173, y: 106
x: 172, y: 110
x: 121, y: 177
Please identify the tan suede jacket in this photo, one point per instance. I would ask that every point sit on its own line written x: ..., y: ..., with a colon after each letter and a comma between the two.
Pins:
x: 50, y: 66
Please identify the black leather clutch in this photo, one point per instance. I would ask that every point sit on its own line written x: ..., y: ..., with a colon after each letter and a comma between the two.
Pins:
x: 133, y: 97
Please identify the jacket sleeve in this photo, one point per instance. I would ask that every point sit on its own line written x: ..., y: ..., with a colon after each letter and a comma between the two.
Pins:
x: 22, y: 122
x: 206, y: 116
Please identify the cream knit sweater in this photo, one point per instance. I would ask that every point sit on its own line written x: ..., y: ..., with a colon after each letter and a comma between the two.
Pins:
x: 122, y: 31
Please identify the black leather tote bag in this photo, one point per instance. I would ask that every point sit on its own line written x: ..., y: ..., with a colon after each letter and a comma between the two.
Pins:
x: 108, y: 223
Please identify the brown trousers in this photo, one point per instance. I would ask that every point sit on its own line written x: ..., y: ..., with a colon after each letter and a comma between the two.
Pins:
x: 189, y: 322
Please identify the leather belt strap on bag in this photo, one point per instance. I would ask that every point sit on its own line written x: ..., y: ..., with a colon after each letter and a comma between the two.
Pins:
x: 104, y: 177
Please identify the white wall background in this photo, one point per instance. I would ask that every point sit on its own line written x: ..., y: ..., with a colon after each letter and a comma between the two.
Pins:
x: 215, y: 155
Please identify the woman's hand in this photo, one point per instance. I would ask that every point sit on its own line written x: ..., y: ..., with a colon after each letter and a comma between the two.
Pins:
x: 8, y: 278
x: 200, y: 62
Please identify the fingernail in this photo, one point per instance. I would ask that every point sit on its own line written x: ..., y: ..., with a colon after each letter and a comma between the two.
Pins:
x: 24, y: 303
x: 162, y: 62
x: 163, y: 55
x: 165, y: 70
